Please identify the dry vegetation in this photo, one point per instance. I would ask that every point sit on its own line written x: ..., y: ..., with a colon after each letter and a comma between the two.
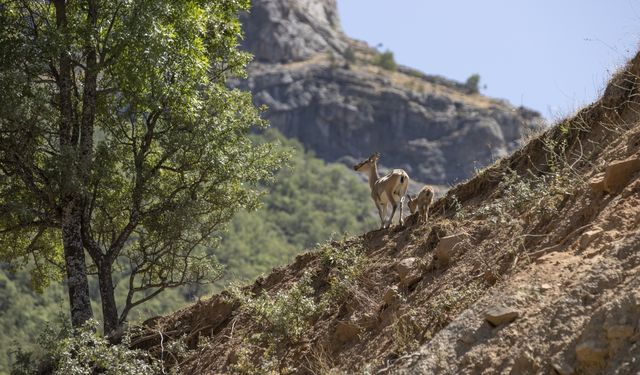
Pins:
x: 538, y: 232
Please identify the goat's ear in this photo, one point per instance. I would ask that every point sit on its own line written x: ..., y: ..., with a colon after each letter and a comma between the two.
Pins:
x: 375, y: 156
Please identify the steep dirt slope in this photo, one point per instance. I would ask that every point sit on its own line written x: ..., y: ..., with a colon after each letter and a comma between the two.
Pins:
x: 530, y: 267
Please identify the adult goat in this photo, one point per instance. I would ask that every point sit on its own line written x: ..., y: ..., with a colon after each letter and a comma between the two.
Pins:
x: 384, y: 190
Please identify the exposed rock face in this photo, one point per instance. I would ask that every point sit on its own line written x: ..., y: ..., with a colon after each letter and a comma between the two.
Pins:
x: 279, y: 31
x: 345, y: 110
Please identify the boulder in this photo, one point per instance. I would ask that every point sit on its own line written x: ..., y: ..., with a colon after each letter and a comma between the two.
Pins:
x: 591, y: 352
x: 498, y: 315
x: 408, y: 271
x: 391, y: 296
x: 597, y: 183
x: 618, y: 173
x: 588, y: 237
x: 563, y: 368
x: 448, y: 247
x: 405, y: 266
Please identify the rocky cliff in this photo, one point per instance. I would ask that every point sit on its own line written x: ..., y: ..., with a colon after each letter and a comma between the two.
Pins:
x: 325, y: 89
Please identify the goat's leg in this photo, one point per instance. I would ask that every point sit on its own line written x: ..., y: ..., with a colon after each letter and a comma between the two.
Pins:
x: 384, y: 214
x: 394, y: 204
x: 402, y: 210
x: 381, y: 212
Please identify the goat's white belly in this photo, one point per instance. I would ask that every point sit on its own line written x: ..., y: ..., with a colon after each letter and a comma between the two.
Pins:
x: 384, y: 198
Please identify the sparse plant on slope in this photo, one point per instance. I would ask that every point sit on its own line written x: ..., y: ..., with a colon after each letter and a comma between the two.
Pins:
x: 283, y: 318
x: 346, y: 264
x: 284, y: 315
x: 408, y: 334
x: 386, y: 60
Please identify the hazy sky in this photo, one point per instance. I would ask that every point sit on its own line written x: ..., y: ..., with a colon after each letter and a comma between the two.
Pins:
x: 551, y: 55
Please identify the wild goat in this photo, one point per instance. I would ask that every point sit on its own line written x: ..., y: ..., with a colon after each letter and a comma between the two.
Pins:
x: 384, y: 190
x: 421, y: 202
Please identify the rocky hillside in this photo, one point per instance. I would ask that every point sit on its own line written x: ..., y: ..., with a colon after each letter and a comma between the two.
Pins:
x: 328, y: 91
x: 531, y: 267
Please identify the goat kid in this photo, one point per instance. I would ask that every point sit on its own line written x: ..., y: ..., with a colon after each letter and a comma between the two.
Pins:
x: 421, y: 203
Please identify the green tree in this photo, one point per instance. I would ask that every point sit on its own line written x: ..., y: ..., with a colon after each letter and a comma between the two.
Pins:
x: 473, y: 83
x: 119, y: 137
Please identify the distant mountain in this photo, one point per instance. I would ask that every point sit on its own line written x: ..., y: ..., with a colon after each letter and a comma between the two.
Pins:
x: 330, y: 92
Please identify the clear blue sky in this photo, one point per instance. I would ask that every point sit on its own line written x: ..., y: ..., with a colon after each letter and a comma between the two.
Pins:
x: 554, y: 56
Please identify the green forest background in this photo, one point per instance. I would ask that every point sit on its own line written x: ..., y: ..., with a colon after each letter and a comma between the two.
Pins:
x: 309, y: 202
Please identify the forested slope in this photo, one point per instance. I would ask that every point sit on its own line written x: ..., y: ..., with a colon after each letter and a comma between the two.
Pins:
x: 309, y: 201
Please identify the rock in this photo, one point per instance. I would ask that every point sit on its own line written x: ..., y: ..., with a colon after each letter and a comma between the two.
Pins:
x: 621, y: 331
x: 562, y: 368
x: 448, y: 247
x: 405, y: 266
x: 468, y: 338
x: 588, y: 237
x: 368, y: 320
x: 277, y: 31
x: 346, y: 331
x: 391, y: 296
x: 524, y: 363
x: 591, y: 352
x: 545, y: 286
x: 597, y: 183
x: 618, y: 173
x: 498, y: 315
x: 408, y: 270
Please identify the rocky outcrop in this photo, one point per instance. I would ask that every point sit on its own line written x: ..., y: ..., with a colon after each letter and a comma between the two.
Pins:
x: 344, y: 108
x: 278, y: 31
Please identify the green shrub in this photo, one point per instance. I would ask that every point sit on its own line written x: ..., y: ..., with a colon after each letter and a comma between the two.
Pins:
x: 84, y: 353
x: 473, y: 83
x: 286, y: 314
x: 346, y: 264
x: 386, y: 60
x: 349, y: 55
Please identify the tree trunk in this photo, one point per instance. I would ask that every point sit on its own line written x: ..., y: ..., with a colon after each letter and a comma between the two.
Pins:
x: 77, y: 282
x: 107, y: 297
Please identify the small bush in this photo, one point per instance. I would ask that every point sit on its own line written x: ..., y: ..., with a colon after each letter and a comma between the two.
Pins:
x: 473, y: 83
x: 350, y: 55
x: 267, y: 364
x: 286, y: 314
x: 346, y: 266
x: 385, y: 60
x: 84, y: 353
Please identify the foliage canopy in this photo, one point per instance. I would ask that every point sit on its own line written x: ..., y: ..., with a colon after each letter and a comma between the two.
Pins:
x: 119, y: 136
